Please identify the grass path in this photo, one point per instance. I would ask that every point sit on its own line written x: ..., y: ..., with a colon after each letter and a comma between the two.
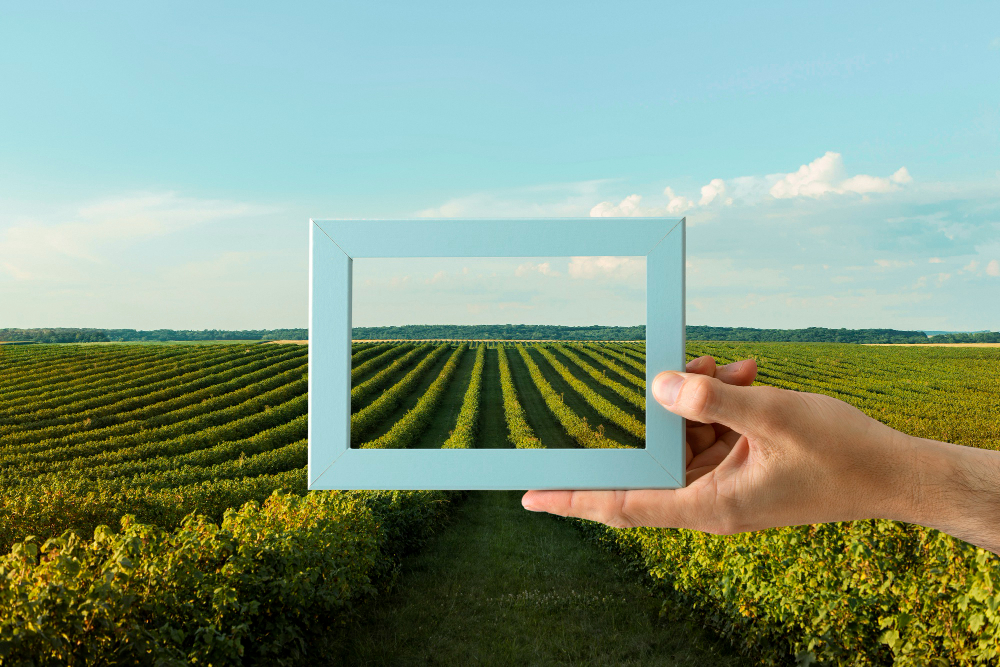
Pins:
x: 492, y: 422
x: 502, y: 586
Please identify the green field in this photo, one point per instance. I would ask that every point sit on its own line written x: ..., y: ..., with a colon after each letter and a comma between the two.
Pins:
x: 157, y: 434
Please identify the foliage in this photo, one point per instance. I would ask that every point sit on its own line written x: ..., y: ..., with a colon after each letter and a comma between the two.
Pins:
x: 860, y: 593
x: 251, y: 590
x: 365, y: 420
x: 575, y: 425
x: 601, y: 376
x: 361, y: 393
x: 408, y: 428
x: 603, y: 406
x: 467, y: 424
x: 176, y: 437
x: 518, y: 431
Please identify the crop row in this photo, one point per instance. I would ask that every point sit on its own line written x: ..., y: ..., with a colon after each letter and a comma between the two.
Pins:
x: 135, y: 387
x: 575, y: 425
x: 630, y: 395
x: 627, y: 374
x: 383, y: 357
x: 369, y: 417
x: 247, y: 418
x: 25, y: 406
x: 249, y: 591
x: 408, y: 428
x: 518, y: 431
x: 603, y: 406
x: 205, y: 393
x: 466, y: 426
x: 49, y: 367
x: 361, y: 354
x: 362, y: 393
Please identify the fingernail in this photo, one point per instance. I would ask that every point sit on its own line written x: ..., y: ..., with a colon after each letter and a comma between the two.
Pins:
x: 528, y: 506
x: 666, y: 386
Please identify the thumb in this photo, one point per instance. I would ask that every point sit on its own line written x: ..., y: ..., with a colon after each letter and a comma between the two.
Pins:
x: 708, y: 400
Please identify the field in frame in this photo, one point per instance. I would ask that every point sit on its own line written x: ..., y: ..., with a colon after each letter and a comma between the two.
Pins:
x: 90, y: 433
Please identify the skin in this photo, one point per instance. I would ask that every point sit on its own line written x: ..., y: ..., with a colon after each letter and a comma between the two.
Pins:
x: 762, y: 457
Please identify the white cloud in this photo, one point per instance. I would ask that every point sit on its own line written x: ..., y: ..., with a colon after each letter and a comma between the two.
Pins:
x: 714, y: 191
x: 529, y: 268
x: 676, y: 205
x: 993, y: 268
x: 971, y: 266
x: 606, y: 267
x: 995, y: 44
x: 627, y: 208
x: 942, y: 278
x: 630, y: 207
x: 934, y: 260
x: 826, y: 175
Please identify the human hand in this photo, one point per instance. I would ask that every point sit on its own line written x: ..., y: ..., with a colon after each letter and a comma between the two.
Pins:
x: 758, y: 457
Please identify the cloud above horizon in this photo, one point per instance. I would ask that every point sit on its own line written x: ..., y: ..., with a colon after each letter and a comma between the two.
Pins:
x: 823, y: 177
x: 818, y: 245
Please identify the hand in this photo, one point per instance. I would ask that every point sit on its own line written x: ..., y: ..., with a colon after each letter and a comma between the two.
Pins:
x: 757, y: 457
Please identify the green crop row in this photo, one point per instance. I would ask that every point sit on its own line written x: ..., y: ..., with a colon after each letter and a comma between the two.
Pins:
x: 366, y: 419
x: 630, y: 395
x: 464, y: 434
x: 157, y: 470
x: 362, y: 393
x: 575, y: 426
x: 112, y: 391
x: 864, y: 593
x: 359, y: 355
x: 208, y: 392
x: 95, y: 376
x: 618, y: 354
x: 252, y: 590
x: 603, y: 406
x: 22, y: 405
x: 59, y: 373
x: 38, y: 365
x: 625, y: 373
x: 208, y: 412
x: 382, y: 359
x: 518, y: 431
x: 200, y: 432
x: 409, y: 427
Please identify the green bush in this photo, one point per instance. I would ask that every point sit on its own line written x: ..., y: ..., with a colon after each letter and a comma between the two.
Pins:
x: 251, y: 590
x: 859, y: 593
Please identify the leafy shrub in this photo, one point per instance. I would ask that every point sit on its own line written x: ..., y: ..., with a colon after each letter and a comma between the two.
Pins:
x: 250, y: 590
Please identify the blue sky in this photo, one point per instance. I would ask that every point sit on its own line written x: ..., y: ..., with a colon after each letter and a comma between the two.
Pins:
x: 839, y: 163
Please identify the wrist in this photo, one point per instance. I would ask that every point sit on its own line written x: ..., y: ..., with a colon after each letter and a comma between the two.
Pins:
x: 952, y: 488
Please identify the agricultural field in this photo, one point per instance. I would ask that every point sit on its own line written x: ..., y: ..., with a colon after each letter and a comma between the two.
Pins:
x: 153, y: 503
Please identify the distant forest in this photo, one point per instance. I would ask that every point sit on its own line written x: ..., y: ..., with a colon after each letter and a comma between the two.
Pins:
x: 133, y: 336
x: 499, y: 332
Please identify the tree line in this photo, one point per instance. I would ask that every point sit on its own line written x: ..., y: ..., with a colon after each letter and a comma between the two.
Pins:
x: 499, y: 332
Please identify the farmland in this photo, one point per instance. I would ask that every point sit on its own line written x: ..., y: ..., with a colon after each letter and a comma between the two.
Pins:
x: 157, y: 434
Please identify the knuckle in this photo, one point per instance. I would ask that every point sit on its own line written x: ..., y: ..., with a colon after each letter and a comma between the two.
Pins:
x: 629, y: 516
x: 700, y: 395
